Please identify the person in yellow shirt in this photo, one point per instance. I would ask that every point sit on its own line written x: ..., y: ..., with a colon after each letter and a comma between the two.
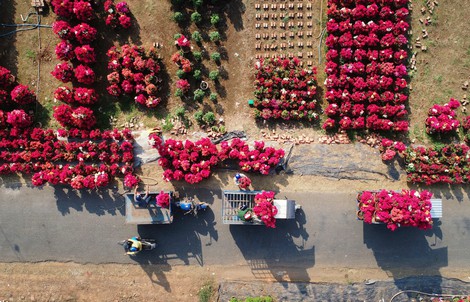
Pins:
x: 134, y: 245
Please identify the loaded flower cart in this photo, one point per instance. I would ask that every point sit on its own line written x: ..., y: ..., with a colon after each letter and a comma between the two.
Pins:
x: 396, y: 209
x: 156, y: 209
x: 256, y: 208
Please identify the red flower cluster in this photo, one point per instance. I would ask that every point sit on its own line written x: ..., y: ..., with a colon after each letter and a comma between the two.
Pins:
x: 22, y: 95
x: 366, y: 65
x: 163, y: 200
x: 40, y: 152
x: 183, y: 85
x: 284, y: 90
x: 134, y: 72
x: 182, y: 63
x: 438, y: 165
x: 442, y: 118
x: 19, y: 119
x: 117, y: 15
x: 80, y: 117
x: 244, y: 182
x: 390, y: 148
x: 395, y: 209
x: 466, y: 123
x: 75, y: 45
x: 260, y: 159
x: 182, y: 41
x: 193, y: 161
x: 130, y: 180
x: 265, y: 209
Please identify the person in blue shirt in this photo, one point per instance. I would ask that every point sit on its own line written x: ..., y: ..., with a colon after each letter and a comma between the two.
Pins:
x: 133, y: 246
x: 142, y: 201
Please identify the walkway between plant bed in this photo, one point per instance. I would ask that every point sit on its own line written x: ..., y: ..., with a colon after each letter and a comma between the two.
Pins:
x: 371, y: 291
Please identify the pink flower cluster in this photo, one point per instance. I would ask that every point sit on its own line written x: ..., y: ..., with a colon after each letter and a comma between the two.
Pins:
x: 448, y: 164
x: 117, y: 15
x: 134, y: 72
x: 79, y: 117
x: 285, y: 90
x: 395, y: 209
x: 131, y: 181
x: 40, y: 152
x: 265, y: 209
x: 259, y: 159
x: 15, y: 98
x: 442, y: 118
x: 244, y: 182
x: 163, y: 200
x: 366, y: 65
x: 182, y: 41
x: 389, y: 149
x: 193, y: 161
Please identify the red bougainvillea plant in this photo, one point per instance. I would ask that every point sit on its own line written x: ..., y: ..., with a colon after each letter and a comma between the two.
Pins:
x: 395, y: 209
x: 285, y: 90
x: 264, y: 208
x: 193, y: 161
x: 442, y: 118
x: 366, y: 65
x: 134, y: 72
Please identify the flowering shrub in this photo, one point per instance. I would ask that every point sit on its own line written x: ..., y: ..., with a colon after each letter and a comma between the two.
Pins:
x: 84, y: 74
x: 117, y: 15
x: 284, y: 90
x: 84, y: 33
x: 265, y: 209
x: 366, y: 71
x: 85, y: 54
x: 406, y: 208
x: 64, y: 51
x: 6, y: 78
x: 63, y: 72
x: 183, y: 85
x: 442, y: 118
x: 85, y: 96
x: 183, y: 63
x: 134, y: 72
x: 193, y: 161
x: 63, y: 8
x: 182, y: 41
x: 83, y: 10
x: 389, y: 149
x: 466, y: 123
x: 244, y: 182
x: 80, y: 117
x: 448, y: 164
x: 163, y: 200
x: 22, y: 95
x: 63, y: 30
x: 130, y: 180
x: 64, y: 94
x: 19, y: 119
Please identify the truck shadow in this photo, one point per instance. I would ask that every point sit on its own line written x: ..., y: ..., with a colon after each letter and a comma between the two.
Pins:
x: 279, y: 253
x: 409, y: 252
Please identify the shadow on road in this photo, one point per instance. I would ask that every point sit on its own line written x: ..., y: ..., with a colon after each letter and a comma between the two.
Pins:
x: 99, y: 202
x: 179, y: 240
x: 274, y: 253
x: 408, y: 251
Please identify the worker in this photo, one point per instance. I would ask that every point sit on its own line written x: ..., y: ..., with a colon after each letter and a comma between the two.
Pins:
x: 142, y: 201
x: 245, y: 214
x: 134, y: 245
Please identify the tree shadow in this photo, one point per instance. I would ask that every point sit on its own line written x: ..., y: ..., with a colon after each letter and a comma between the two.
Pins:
x: 234, y: 11
x: 407, y: 251
x: 8, y: 51
x: 273, y: 253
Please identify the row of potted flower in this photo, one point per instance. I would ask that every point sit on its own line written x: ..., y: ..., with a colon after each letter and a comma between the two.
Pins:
x: 193, y: 161
x: 284, y: 90
x: 366, y: 71
x: 443, y: 118
x: 134, y: 72
x: 448, y: 164
x: 395, y: 209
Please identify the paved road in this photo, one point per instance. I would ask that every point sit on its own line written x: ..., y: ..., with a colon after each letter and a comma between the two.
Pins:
x: 55, y: 224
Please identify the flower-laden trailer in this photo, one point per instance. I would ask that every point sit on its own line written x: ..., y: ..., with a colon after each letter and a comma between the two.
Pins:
x: 398, y: 208
x: 158, y: 209
x: 265, y: 208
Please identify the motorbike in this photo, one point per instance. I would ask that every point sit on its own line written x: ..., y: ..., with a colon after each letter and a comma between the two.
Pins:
x: 147, y: 244
x: 190, y: 206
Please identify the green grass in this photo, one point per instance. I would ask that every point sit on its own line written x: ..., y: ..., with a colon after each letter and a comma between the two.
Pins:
x: 206, y: 291
x: 31, y: 54
x: 167, y: 124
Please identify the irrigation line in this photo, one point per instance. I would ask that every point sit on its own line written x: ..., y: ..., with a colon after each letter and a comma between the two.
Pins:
x: 422, y: 293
